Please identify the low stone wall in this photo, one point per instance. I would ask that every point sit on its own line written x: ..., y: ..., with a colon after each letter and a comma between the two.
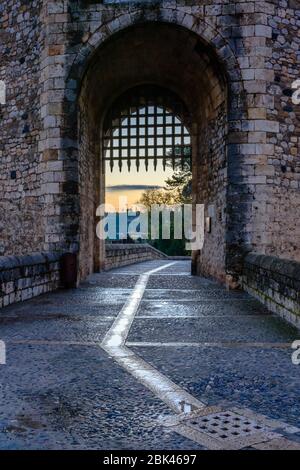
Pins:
x: 117, y: 255
x: 23, y: 277
x: 276, y: 283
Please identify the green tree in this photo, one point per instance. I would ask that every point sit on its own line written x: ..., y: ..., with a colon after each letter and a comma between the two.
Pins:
x: 181, y: 180
x: 181, y: 183
x: 159, y: 196
x: 177, y: 191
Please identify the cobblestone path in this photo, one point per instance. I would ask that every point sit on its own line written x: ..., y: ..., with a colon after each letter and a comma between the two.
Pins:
x: 196, y: 366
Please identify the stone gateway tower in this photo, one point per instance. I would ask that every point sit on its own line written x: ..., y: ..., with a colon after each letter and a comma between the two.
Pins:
x: 234, y: 65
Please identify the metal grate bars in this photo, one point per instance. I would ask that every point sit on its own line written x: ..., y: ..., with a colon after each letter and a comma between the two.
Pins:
x: 146, y: 128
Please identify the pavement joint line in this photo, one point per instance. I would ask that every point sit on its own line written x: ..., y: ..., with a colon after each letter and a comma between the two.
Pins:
x: 138, y: 274
x: 208, y: 344
x: 113, y: 343
x: 212, y: 300
x: 148, y: 344
x: 204, y: 288
x: 51, y: 342
x: 198, y: 317
x: 155, y: 289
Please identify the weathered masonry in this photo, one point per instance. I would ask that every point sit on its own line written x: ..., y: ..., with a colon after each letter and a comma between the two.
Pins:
x: 232, y: 63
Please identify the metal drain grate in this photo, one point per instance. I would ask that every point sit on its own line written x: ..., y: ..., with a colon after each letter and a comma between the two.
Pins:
x: 215, y: 428
x: 226, y: 425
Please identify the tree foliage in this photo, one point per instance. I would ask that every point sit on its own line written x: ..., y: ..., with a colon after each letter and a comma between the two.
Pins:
x: 177, y: 191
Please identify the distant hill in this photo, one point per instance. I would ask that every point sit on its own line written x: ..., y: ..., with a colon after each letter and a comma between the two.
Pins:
x: 131, y: 187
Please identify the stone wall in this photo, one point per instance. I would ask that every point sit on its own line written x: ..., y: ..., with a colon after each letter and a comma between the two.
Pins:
x: 88, y: 195
x: 281, y: 199
x: 276, y: 283
x: 24, y: 277
x: 21, y: 207
x: 212, y: 180
x: 118, y: 255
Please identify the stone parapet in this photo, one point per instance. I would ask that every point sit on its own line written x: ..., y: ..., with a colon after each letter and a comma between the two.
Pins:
x: 122, y: 255
x: 24, y: 277
x: 276, y: 283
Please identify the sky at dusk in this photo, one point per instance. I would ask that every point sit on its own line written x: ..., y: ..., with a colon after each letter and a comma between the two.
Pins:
x: 132, y: 184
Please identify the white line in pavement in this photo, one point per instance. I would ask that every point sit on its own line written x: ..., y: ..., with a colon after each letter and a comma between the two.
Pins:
x: 175, y: 397
x: 114, y: 344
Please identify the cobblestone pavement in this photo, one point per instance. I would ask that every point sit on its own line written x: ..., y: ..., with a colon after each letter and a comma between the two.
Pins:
x: 61, y: 390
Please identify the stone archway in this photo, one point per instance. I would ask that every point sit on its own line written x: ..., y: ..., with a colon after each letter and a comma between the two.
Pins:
x: 172, y: 57
x: 195, y: 62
